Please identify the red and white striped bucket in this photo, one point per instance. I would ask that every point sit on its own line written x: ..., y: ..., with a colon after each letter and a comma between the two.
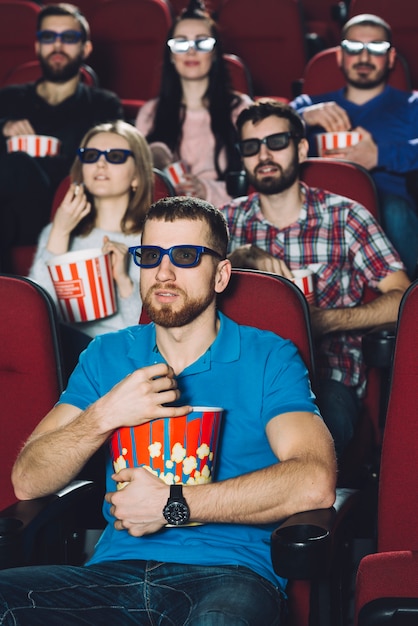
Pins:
x: 175, y: 172
x: 304, y: 279
x: 334, y: 141
x: 35, y: 145
x: 84, y: 285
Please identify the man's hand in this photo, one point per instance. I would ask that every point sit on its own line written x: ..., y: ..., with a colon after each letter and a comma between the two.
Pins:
x: 252, y: 257
x: 138, y: 507
x: 364, y: 153
x: 329, y: 115
x: 18, y: 127
x: 140, y: 397
x: 191, y: 186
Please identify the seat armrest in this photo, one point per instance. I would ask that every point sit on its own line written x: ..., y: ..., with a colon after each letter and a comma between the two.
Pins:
x: 378, y: 345
x: 302, y: 546
x: 24, y: 522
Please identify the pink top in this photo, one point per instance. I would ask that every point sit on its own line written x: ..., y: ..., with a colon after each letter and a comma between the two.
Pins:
x: 198, y: 145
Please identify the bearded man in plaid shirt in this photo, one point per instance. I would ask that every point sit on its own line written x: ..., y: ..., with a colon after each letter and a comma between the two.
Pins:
x: 286, y: 225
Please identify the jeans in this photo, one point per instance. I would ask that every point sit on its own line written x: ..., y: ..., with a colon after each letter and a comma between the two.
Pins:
x: 147, y: 593
x: 399, y: 220
x: 340, y: 408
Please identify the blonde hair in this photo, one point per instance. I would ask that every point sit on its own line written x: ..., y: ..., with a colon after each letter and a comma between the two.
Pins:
x: 141, y: 197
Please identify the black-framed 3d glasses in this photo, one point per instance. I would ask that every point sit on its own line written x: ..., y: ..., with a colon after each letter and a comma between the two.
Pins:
x: 180, y: 45
x: 180, y: 256
x: 116, y: 156
x: 66, y: 37
x: 377, y: 48
x: 277, y: 141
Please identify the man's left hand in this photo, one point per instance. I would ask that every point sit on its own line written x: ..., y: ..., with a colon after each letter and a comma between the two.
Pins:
x: 138, y: 507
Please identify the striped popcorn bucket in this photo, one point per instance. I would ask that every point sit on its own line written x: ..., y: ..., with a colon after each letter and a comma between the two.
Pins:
x: 175, y: 172
x: 35, y: 145
x: 84, y: 285
x: 334, y: 141
x: 304, y: 279
x: 176, y: 449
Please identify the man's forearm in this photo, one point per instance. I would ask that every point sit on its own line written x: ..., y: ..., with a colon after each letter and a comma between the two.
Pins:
x: 266, y: 495
x: 50, y: 460
x: 380, y: 311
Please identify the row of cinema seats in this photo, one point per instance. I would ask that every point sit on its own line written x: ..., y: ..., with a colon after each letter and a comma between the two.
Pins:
x: 309, y: 548
x: 270, y: 38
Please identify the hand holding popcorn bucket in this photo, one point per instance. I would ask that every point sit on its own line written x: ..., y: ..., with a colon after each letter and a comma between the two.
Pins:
x: 328, y: 144
x: 179, y: 450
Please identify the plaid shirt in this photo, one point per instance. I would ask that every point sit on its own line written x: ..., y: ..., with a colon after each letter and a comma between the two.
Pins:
x: 341, y: 242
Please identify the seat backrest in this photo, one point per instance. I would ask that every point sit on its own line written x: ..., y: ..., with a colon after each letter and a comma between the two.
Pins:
x: 269, y: 36
x: 324, y: 18
x: 342, y: 177
x: 128, y: 42
x: 30, y: 72
x: 398, y: 501
x: 269, y: 302
x: 30, y: 367
x: 240, y: 76
x: 402, y: 15
x: 17, y: 33
x: 322, y: 74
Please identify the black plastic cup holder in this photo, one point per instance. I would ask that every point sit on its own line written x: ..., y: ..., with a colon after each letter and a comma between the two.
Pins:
x: 10, y: 542
x: 300, y: 551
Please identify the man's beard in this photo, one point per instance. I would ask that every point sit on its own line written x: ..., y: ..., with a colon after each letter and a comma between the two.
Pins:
x: 165, y: 316
x: 270, y: 185
x: 63, y: 73
x: 367, y: 83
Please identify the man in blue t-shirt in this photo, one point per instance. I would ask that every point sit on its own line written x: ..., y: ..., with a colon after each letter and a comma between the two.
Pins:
x: 276, y: 456
x: 386, y: 117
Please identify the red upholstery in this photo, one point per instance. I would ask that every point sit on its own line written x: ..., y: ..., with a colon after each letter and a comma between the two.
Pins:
x: 402, y: 15
x: 322, y: 74
x: 17, y: 33
x: 30, y: 368
x: 240, y: 76
x: 269, y: 36
x: 128, y: 41
x: 393, y: 571
x: 31, y: 71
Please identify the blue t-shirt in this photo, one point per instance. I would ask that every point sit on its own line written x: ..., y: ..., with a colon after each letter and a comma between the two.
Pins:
x: 392, y: 119
x: 254, y: 375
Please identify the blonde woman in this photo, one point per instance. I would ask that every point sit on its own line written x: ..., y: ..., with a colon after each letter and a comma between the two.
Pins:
x: 111, y: 191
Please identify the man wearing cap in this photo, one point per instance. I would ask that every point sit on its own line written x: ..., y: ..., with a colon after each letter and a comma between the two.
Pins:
x: 387, y: 119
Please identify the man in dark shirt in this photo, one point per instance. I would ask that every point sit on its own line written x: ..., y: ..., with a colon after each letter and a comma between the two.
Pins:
x: 59, y: 105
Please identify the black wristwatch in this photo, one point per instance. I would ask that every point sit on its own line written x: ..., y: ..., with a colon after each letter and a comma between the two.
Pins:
x: 176, y: 511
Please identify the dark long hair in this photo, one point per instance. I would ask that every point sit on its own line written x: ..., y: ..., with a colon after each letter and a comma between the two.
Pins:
x: 170, y: 112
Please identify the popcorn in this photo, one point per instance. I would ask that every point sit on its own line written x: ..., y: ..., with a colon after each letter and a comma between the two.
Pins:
x: 155, y: 449
x: 203, y: 451
x: 178, y: 453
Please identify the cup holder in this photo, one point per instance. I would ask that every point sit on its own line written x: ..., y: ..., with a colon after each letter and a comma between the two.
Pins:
x: 10, y: 542
x: 300, y: 551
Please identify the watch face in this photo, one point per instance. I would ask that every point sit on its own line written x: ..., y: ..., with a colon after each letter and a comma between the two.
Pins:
x: 176, y: 513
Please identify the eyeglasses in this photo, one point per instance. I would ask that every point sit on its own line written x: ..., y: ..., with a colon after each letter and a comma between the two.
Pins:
x: 377, y: 48
x: 180, y: 256
x: 179, y: 45
x: 67, y: 36
x: 116, y: 156
x: 278, y: 141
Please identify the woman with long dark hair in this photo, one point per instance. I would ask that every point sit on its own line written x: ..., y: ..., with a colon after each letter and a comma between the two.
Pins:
x: 193, y: 118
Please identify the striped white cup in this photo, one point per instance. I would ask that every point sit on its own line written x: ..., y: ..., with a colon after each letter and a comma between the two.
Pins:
x: 35, y: 145
x: 334, y: 141
x: 84, y: 285
x: 175, y: 172
x: 304, y: 279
